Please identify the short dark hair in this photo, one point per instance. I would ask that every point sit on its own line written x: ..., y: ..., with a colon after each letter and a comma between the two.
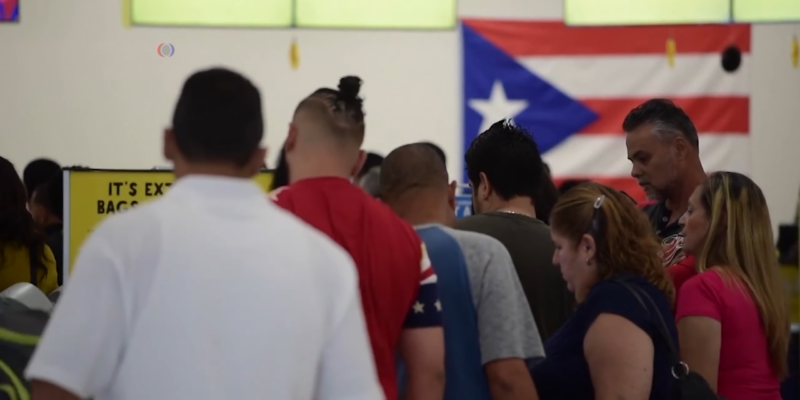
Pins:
x: 668, y: 119
x: 218, y: 118
x: 373, y: 160
x: 547, y: 172
x: 509, y: 157
x: 51, y: 195
x: 409, y: 167
x: 38, y: 172
x: 438, y: 151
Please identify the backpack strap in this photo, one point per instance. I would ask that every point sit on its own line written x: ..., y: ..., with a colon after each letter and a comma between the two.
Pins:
x: 679, y: 368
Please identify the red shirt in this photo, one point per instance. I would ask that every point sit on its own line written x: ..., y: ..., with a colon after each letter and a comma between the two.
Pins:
x: 745, y: 370
x: 393, y: 268
x: 681, y: 272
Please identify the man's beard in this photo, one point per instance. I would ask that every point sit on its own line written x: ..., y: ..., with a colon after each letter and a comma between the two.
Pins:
x: 652, y: 195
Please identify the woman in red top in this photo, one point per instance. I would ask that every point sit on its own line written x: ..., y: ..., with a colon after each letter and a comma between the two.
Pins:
x: 733, y: 321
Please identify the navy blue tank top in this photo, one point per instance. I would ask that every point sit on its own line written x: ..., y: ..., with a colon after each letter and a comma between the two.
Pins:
x: 564, y: 374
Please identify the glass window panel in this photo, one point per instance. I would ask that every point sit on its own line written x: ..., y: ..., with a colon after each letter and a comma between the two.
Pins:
x: 378, y: 14
x: 646, y: 12
x: 766, y: 10
x: 219, y: 13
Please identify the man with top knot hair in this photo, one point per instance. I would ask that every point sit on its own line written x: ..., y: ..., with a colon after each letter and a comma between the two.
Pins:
x: 398, y: 285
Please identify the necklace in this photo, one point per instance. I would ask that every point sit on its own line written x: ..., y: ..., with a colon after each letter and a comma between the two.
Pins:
x: 514, y: 213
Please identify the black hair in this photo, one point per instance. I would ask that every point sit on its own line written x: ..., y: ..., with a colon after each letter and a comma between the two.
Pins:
x: 218, y: 118
x: 667, y: 119
x: 547, y: 170
x: 17, y: 227
x: 51, y: 195
x: 345, y: 104
x: 569, y: 184
x: 545, y: 198
x: 280, y: 177
x: 509, y: 157
x: 438, y: 151
x: 38, y: 172
x: 373, y: 160
x: 349, y: 87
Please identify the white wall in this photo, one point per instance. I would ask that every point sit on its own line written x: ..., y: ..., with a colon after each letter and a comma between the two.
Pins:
x: 78, y: 87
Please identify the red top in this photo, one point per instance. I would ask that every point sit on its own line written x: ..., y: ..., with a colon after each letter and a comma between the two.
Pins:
x: 680, y: 272
x: 393, y: 268
x: 745, y: 371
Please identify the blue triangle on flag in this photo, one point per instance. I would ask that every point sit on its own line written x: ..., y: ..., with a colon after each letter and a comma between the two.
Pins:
x: 551, y: 116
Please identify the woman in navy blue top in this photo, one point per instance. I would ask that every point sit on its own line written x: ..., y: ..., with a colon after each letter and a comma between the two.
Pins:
x: 611, y: 347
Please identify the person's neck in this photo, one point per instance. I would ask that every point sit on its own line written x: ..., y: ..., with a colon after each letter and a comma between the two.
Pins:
x: 516, y: 205
x: 317, y: 166
x: 678, y: 200
x: 421, y: 208
x: 220, y: 170
x: 301, y: 173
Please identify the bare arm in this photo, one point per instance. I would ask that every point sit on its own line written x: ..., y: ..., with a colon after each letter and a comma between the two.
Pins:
x: 41, y: 390
x: 422, y: 351
x: 620, y: 357
x: 509, y: 379
x: 701, y: 338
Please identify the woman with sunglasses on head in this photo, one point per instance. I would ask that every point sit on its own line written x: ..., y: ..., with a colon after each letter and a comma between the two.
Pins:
x: 732, y: 317
x: 612, y: 347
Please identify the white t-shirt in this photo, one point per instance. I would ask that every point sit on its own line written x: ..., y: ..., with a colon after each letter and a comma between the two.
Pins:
x: 211, y: 292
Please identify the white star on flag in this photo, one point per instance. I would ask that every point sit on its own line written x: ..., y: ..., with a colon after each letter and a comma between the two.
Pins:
x: 438, y: 305
x: 497, y: 106
x: 419, y: 308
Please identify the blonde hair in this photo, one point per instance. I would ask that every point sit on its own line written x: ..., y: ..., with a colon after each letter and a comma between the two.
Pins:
x: 739, y: 242
x: 625, y: 240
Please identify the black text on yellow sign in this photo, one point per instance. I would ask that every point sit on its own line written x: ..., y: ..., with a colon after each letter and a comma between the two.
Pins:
x: 131, y: 190
x: 96, y: 194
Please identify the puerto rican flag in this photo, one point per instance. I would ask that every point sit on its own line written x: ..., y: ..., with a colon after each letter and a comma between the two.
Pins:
x: 572, y: 88
x: 9, y: 10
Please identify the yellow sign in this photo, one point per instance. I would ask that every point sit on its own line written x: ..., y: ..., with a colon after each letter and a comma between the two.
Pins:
x: 96, y: 194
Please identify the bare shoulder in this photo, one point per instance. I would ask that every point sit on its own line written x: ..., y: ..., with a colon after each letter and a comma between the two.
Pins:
x: 611, y: 336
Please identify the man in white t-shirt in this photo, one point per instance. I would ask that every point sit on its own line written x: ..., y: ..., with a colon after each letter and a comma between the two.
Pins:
x: 211, y: 292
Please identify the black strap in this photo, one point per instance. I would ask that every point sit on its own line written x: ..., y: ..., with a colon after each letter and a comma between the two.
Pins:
x: 674, y: 355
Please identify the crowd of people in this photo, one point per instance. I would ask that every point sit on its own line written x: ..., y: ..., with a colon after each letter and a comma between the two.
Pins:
x: 354, y: 280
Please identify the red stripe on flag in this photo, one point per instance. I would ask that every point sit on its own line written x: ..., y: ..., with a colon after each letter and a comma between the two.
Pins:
x: 709, y: 114
x: 623, y: 184
x: 551, y: 38
x: 427, y: 273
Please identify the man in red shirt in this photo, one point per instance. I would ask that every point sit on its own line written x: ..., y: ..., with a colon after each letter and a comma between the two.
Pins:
x: 398, y: 285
